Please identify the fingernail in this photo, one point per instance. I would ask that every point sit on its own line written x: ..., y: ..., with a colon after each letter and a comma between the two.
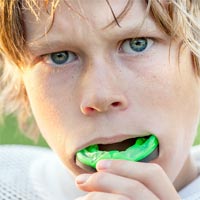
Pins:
x: 103, y: 164
x: 82, y: 178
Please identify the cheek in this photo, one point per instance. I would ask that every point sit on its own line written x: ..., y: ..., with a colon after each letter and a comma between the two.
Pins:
x: 177, y: 109
x: 164, y: 95
x: 52, y: 103
x: 54, y: 113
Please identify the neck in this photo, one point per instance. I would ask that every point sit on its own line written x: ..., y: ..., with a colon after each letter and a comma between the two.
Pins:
x: 188, y: 173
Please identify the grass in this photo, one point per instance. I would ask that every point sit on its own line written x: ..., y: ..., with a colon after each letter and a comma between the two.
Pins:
x: 10, y: 134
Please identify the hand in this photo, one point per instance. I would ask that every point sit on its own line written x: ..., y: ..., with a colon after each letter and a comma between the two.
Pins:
x: 125, y: 180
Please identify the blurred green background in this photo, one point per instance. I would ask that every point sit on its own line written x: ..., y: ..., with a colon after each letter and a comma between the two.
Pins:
x: 10, y: 134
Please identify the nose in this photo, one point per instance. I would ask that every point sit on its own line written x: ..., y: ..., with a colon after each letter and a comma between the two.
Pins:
x: 97, y: 103
x: 102, y: 92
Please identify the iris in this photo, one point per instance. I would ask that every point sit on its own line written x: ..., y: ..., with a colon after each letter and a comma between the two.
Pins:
x: 138, y: 44
x: 59, y: 58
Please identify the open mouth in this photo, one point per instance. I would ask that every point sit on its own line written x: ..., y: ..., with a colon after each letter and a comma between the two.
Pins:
x: 142, y: 149
x: 120, y: 146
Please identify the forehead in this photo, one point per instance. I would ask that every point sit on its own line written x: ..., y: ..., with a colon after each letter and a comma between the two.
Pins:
x: 71, y: 14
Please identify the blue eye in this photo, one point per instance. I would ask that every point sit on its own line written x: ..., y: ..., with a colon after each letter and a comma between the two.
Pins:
x: 136, y: 45
x: 60, y: 58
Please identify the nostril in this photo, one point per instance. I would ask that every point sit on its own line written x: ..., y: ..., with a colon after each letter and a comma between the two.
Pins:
x: 116, y: 104
x: 102, y: 104
x: 89, y: 109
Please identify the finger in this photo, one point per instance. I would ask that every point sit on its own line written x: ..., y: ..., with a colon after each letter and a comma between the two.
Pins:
x: 102, y: 196
x: 112, y: 183
x: 149, y: 174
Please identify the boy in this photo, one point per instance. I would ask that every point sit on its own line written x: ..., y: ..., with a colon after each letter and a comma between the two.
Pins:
x: 105, y: 73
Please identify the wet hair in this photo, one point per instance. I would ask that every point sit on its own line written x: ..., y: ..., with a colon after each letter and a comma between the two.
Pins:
x: 178, y: 18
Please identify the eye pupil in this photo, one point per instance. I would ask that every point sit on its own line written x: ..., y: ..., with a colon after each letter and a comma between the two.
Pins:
x: 60, y: 57
x: 138, y: 44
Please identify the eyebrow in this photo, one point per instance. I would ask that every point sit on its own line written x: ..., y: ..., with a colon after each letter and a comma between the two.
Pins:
x: 48, y: 44
x: 131, y: 29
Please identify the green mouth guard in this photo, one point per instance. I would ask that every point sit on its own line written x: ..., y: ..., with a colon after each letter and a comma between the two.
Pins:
x: 142, y: 148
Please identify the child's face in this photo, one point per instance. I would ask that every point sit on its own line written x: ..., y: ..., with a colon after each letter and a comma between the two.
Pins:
x: 106, y: 87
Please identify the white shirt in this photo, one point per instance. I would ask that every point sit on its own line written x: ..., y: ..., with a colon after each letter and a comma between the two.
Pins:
x: 35, y: 173
x: 192, y: 190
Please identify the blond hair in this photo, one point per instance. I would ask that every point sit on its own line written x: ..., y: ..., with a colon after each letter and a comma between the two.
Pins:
x: 178, y: 18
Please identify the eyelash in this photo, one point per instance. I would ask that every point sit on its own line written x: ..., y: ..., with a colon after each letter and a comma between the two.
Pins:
x: 126, y: 47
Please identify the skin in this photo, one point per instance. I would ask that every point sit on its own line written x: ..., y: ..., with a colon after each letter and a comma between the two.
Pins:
x: 107, y: 94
